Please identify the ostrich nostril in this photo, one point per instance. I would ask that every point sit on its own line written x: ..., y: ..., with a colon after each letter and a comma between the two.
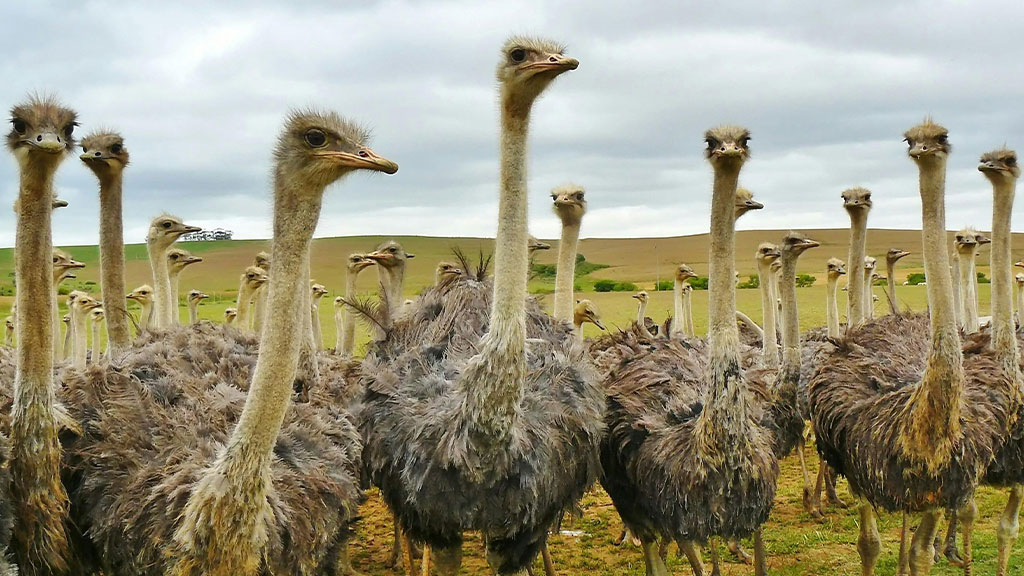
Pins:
x: 553, y: 59
x: 39, y: 138
x: 97, y: 154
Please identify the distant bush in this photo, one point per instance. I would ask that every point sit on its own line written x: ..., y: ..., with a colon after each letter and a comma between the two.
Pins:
x: 6, y: 289
x: 664, y: 285
x: 699, y: 283
x: 625, y: 287
x: 805, y: 280
x: 542, y: 290
x: 752, y: 282
x: 604, y: 285
x: 551, y: 270
x: 915, y: 278
x: 880, y: 282
x: 982, y: 279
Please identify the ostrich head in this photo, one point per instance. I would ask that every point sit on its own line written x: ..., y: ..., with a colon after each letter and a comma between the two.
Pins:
x: 870, y: 263
x: 165, y: 229
x: 143, y: 295
x: 196, y: 296
x: 795, y: 243
x: 262, y: 260
x: 356, y: 263
x: 745, y: 202
x: 446, y: 272
x: 104, y: 153
x: 84, y: 303
x: 894, y: 254
x: 999, y: 165
x: 253, y: 278
x: 96, y: 315
x: 857, y: 200
x: 767, y: 253
x: 62, y: 262
x: 684, y: 273
x: 727, y: 147
x: 835, y: 268
x: 968, y: 240
x: 390, y: 255
x: 533, y: 245
x: 1019, y: 278
x: 641, y: 296
x: 318, y: 291
x: 178, y: 259
x: 42, y: 132
x: 586, y: 311
x: 528, y: 66
x: 570, y: 203
x: 339, y: 303
x: 927, y: 142
x: 230, y: 314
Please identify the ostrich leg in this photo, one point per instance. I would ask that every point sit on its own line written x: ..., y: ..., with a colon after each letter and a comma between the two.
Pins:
x: 652, y: 559
x: 967, y: 515
x: 904, y: 561
x: 1009, y: 528
x: 813, y: 508
x: 690, y: 549
x: 922, y: 547
x: 760, y: 554
x: 949, y: 550
x: 716, y: 568
x: 448, y: 561
x: 869, y: 543
x: 737, y: 551
x: 831, y: 497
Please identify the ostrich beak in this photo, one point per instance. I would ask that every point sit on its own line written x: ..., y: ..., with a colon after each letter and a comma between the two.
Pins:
x: 365, y: 159
x: 753, y: 205
x: 190, y: 229
x: 554, y: 63
x: 58, y: 203
x: 597, y: 322
x: 47, y: 141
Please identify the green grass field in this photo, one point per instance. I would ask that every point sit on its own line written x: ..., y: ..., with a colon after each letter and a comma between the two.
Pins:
x: 797, y: 544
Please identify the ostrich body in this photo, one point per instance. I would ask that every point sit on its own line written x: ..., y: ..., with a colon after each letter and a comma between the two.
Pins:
x: 686, y: 457
x: 317, y: 293
x: 765, y: 255
x: 195, y: 298
x: 105, y: 154
x: 177, y: 261
x: 163, y: 232
x: 63, y: 263
x: 96, y: 317
x: 249, y: 282
x: 486, y: 399
x: 570, y: 205
x: 144, y: 296
x: 891, y: 257
x: 912, y: 435
x: 41, y: 136
x: 346, y: 339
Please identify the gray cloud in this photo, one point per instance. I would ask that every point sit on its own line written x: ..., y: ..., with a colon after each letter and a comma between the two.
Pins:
x: 199, y: 91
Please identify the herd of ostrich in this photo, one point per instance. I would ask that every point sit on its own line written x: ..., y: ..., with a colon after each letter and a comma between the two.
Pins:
x: 245, y: 447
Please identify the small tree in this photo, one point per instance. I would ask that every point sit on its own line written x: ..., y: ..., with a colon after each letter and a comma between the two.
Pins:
x: 752, y: 282
x: 982, y: 279
x: 664, y: 285
x: 604, y: 285
x: 805, y: 280
x: 625, y: 287
x: 915, y: 278
x: 699, y: 283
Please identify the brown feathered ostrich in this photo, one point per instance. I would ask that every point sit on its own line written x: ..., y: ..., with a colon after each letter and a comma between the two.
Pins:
x: 391, y: 259
x: 144, y: 296
x: 908, y: 436
x: 177, y: 261
x: 570, y: 205
x: 249, y: 282
x: 41, y: 136
x: 765, y: 255
x: 195, y: 298
x: 96, y: 317
x: 164, y: 230
x: 276, y: 492
x: 891, y: 258
x: 346, y: 337
x: 688, y: 457
x: 317, y: 293
x: 480, y: 409
x: 106, y: 155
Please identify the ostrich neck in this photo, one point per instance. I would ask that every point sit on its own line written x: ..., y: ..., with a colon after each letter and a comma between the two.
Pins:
x: 858, y: 249
x: 259, y: 310
x: 95, y: 342
x: 492, y: 382
x: 832, y: 306
x: 1003, y: 338
x: 869, y: 300
x: 722, y: 329
x: 958, y: 291
x: 69, y: 334
x: 641, y: 312
x: 890, y: 271
x: 791, y: 321
x: 688, y: 314
x: 242, y: 304
x: 679, y: 313
x: 566, y: 272
x: 347, y: 338
x: 161, y: 284
x: 175, y: 276
x: 145, y: 317
x: 968, y: 293
x: 193, y: 312
x: 318, y: 336
x: 393, y: 283
x: 112, y: 281
x: 81, y: 345
x: 770, y: 347
x: 55, y: 320
x: 934, y: 425
x: 252, y: 441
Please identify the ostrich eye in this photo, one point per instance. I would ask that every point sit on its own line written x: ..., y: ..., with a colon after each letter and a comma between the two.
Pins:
x: 316, y: 138
x: 115, y: 149
x: 909, y: 142
x: 943, y: 139
x: 1011, y: 161
x: 69, y: 130
x: 166, y: 224
x: 744, y: 141
x: 517, y: 55
x: 54, y: 260
x: 19, y: 126
x: 711, y: 144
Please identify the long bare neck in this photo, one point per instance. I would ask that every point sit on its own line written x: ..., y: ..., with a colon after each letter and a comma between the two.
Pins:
x: 890, y: 272
x: 1004, y: 340
x: 161, y: 285
x: 566, y: 272
x: 175, y: 276
x: 722, y: 330
x: 193, y: 312
x: 259, y: 310
x: 641, y: 313
x: 69, y: 334
x: 393, y: 282
x: 934, y: 425
x: 81, y: 346
x: 770, y: 347
x: 858, y: 249
x: 974, y: 286
x: 318, y: 336
x: 832, y: 306
x: 968, y: 293
x: 1020, y: 304
x: 679, y: 327
x: 958, y: 290
x: 493, y: 381
x: 691, y: 331
x: 112, y: 264
x: 145, y: 317
x: 791, y: 328
x: 55, y: 319
x: 347, y: 336
x: 95, y: 358
x: 869, y: 300
x: 242, y: 304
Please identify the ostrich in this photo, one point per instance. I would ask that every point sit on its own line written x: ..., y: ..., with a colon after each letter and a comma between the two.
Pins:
x: 765, y: 255
x: 177, y: 261
x: 144, y: 296
x: 891, y: 257
x: 249, y: 282
x: 686, y: 457
x: 195, y: 297
x: 69, y: 327
x: 870, y: 263
x: 534, y: 245
x: 96, y: 317
x: 504, y: 403
x: 682, y: 318
x: 317, y: 293
x: 912, y: 435
x: 41, y: 136
x: 163, y: 231
x: 346, y: 339
x: 857, y: 202
x: 446, y: 272
x: 1019, y: 280
x: 261, y: 261
x: 776, y: 269
x: 236, y: 483
x: 229, y: 316
x: 105, y: 154
x: 80, y: 310
x: 967, y: 242
x: 585, y: 311
x: 643, y: 323
x: 570, y: 206
x: 63, y: 264
x: 9, y: 331
x: 391, y: 260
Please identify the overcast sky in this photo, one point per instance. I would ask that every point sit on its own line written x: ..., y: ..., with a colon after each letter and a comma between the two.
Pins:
x: 199, y: 91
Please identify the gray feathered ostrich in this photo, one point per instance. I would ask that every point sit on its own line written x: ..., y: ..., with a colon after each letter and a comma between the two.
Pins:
x: 909, y: 435
x: 687, y: 455
x: 486, y: 415
x: 198, y: 477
